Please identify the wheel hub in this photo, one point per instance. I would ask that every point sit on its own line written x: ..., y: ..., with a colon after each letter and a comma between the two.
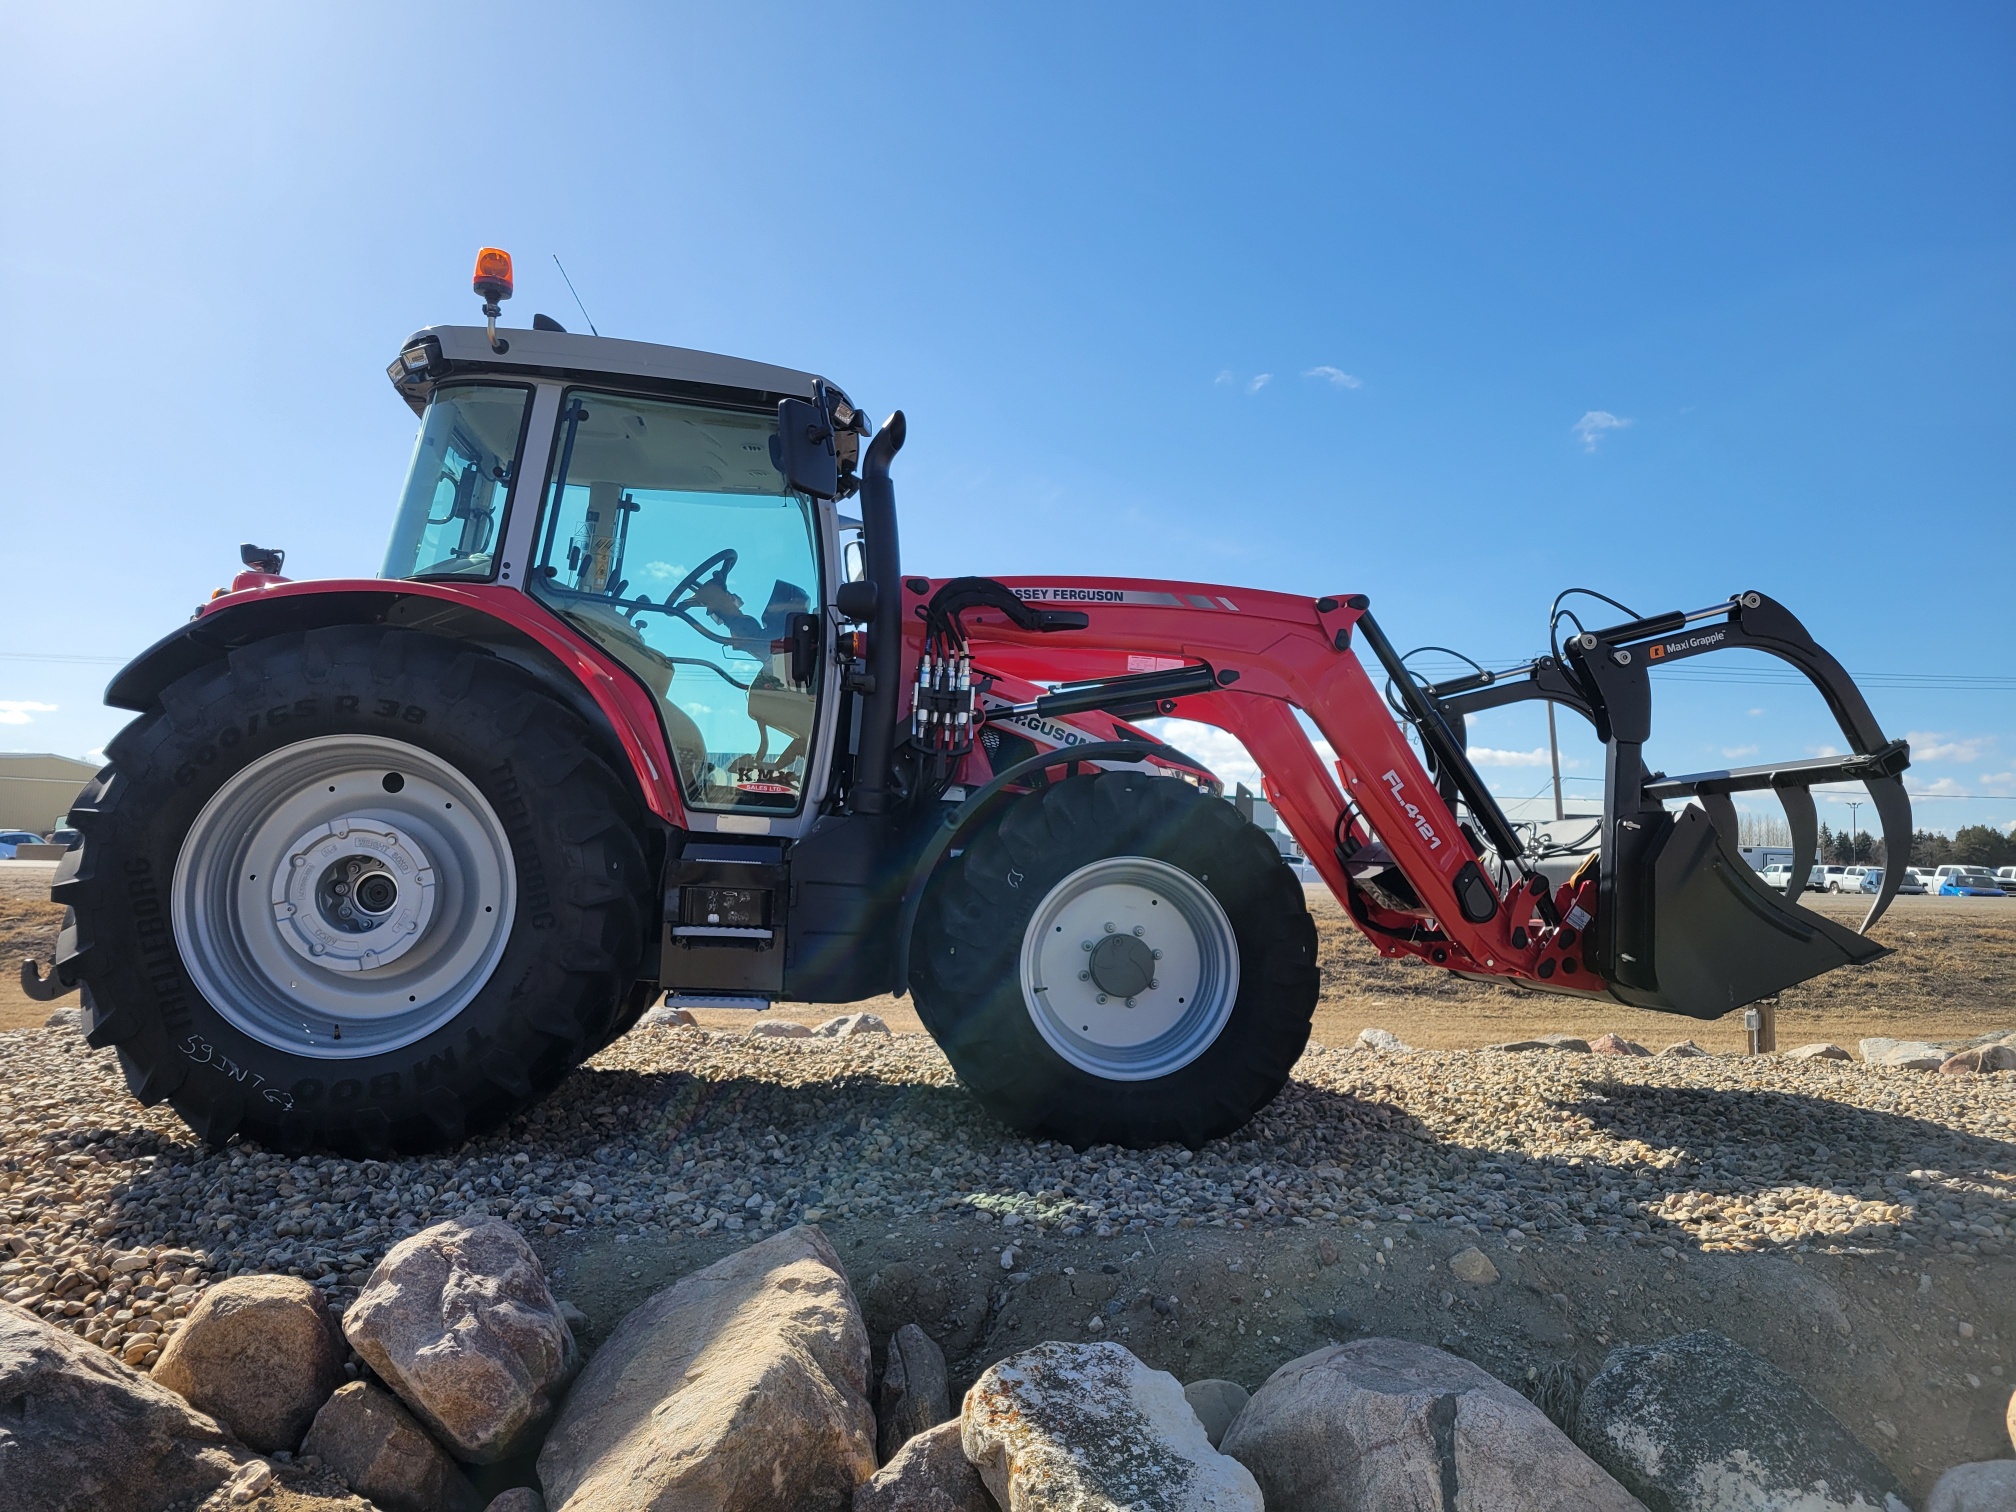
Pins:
x: 1123, y: 965
x: 355, y: 894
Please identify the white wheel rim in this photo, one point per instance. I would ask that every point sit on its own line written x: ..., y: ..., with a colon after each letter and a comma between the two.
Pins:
x: 343, y: 896
x: 1129, y: 968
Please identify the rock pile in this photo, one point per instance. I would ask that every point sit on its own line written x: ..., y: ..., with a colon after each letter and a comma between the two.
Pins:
x: 749, y: 1384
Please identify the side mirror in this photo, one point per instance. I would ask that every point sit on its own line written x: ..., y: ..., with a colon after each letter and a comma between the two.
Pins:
x: 803, y: 449
x: 856, y: 602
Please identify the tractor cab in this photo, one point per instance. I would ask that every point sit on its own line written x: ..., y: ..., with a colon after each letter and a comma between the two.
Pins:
x: 639, y: 492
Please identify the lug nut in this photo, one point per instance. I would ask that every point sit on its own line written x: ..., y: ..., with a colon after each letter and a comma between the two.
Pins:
x: 1130, y: 1002
x: 1084, y: 976
x: 1109, y: 926
x: 1138, y: 930
x: 1153, y: 984
x: 1102, y: 997
x: 1085, y: 945
x: 1156, y: 954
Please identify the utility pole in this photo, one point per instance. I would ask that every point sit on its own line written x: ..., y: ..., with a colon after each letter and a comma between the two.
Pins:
x: 1854, y: 829
x: 1554, y: 751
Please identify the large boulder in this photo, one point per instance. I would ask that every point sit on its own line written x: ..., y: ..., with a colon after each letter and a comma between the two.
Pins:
x: 1698, y: 1422
x: 1382, y: 1039
x: 928, y: 1474
x: 913, y: 1394
x: 1986, y: 1486
x: 849, y: 1025
x: 458, y: 1320
x: 1089, y: 1428
x: 258, y: 1353
x: 80, y: 1432
x: 1217, y: 1404
x: 379, y: 1451
x: 1402, y: 1427
x: 1902, y: 1055
x: 1995, y: 1057
x: 743, y: 1385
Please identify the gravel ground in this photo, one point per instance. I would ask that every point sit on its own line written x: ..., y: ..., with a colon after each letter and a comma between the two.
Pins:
x: 115, y: 1220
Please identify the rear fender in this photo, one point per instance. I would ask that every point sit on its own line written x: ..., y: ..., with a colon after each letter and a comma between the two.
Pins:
x: 503, y: 620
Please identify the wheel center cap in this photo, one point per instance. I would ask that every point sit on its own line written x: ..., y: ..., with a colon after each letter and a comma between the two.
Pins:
x: 353, y: 894
x: 1122, y: 965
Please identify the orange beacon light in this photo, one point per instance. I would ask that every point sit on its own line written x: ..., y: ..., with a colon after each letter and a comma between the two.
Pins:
x: 492, y: 283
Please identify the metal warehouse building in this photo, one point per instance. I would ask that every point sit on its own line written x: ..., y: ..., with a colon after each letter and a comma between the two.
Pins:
x: 36, y: 788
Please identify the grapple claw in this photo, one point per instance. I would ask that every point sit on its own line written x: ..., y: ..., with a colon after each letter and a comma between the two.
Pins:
x: 1682, y: 924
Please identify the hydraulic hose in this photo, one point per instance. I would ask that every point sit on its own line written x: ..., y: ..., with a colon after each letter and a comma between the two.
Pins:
x: 885, y: 629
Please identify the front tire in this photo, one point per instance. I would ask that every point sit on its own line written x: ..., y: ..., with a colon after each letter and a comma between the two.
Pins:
x: 1118, y: 959
x: 361, y: 889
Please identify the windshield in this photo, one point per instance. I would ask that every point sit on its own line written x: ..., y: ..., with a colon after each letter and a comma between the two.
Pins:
x: 669, y: 536
x: 452, y: 512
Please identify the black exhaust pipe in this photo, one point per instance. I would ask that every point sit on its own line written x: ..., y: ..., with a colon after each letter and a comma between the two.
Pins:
x: 885, y: 629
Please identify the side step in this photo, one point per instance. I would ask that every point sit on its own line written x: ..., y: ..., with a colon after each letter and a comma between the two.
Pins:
x: 752, y: 1001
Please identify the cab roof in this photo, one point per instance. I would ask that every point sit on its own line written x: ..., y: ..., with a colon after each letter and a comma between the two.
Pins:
x: 464, y: 351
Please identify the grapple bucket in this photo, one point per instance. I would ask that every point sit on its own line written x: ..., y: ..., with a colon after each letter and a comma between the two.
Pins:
x: 1682, y: 923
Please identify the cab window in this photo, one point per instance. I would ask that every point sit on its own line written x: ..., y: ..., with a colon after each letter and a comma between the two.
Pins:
x: 451, y: 515
x: 669, y: 537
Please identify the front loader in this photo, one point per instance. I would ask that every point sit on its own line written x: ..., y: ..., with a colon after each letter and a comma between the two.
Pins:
x: 637, y: 706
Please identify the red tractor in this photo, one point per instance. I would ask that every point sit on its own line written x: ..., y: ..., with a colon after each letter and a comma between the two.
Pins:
x: 637, y: 707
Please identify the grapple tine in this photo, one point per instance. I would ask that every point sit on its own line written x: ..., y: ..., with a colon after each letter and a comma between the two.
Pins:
x: 1893, y: 807
x: 1722, y: 814
x: 1804, y: 821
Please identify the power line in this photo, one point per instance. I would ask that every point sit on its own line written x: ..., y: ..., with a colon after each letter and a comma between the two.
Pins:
x: 39, y: 656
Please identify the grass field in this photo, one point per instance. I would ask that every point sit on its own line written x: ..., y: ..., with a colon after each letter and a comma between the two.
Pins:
x: 1951, y: 974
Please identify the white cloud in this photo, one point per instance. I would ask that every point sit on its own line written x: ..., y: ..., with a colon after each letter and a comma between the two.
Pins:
x: 1258, y: 381
x: 1929, y: 746
x: 1592, y: 426
x: 1755, y: 712
x: 1489, y: 756
x: 1732, y: 752
x: 1334, y: 376
x: 1224, y: 376
x: 18, y: 711
x: 1823, y: 750
x: 1943, y: 785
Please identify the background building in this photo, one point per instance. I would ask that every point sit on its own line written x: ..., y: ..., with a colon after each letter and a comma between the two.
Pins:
x: 36, y: 788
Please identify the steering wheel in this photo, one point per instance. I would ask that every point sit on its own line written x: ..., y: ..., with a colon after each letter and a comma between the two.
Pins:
x: 725, y: 560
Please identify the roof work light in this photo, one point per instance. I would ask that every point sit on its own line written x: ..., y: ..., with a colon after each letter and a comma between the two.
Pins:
x: 492, y: 283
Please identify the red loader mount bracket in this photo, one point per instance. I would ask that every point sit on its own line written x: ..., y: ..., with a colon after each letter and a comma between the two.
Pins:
x: 635, y: 709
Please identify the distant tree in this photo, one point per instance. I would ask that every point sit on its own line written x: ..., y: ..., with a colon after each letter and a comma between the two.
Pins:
x: 1930, y: 848
x: 1979, y: 845
x: 1763, y: 829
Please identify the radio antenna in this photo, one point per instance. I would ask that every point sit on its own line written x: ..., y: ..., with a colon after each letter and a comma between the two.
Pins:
x: 577, y: 297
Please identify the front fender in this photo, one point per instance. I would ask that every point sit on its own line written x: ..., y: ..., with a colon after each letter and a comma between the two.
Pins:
x: 501, y: 618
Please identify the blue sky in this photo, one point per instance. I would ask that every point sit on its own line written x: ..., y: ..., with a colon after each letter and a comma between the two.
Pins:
x: 1451, y: 306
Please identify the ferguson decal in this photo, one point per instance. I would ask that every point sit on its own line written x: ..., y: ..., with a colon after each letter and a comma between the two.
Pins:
x: 1392, y: 780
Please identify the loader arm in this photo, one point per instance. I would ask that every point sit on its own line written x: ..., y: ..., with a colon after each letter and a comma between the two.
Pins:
x: 1268, y: 656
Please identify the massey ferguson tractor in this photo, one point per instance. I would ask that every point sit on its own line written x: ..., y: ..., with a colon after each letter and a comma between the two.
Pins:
x: 638, y: 707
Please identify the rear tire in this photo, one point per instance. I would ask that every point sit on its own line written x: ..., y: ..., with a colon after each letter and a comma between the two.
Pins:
x: 459, y: 845
x: 1041, y: 1029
